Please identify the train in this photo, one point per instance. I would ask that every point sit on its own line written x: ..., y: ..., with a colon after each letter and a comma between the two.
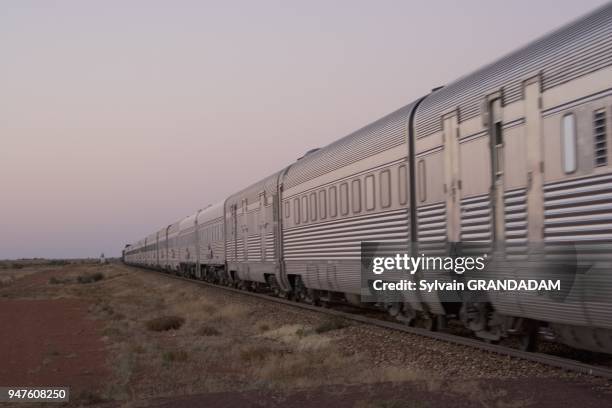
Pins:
x: 514, y: 156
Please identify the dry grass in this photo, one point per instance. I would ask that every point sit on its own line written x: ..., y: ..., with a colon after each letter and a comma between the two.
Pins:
x: 170, y: 337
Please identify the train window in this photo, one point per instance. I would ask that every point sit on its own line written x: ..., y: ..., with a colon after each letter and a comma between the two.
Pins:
x: 287, y: 209
x: 344, y: 205
x: 403, y: 184
x: 385, y: 188
x: 313, y: 206
x: 370, y: 192
x: 296, y: 210
x: 599, y: 133
x: 333, y: 201
x: 322, y: 204
x: 568, y: 141
x: 422, y: 180
x: 356, y: 196
x: 304, y: 216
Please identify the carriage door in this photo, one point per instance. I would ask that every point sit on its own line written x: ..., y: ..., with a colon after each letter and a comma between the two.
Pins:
x: 262, y: 224
x: 496, y: 144
x: 234, y: 230
x: 452, y: 183
x: 535, y: 164
x: 244, y: 230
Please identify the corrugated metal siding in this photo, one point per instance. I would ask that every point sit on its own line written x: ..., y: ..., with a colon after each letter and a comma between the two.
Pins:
x: 431, y: 229
x: 341, y: 239
x: 254, y: 248
x: 578, y: 210
x: 270, y: 251
x: 230, y: 247
x: 572, y: 51
x: 515, y: 217
x: 342, y: 276
x: 386, y: 133
x: 476, y: 219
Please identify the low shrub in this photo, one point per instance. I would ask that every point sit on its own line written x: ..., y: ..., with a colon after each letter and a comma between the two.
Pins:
x: 165, y: 323
x: 90, y: 398
x: 330, y: 325
x: 208, y: 331
x: 90, y: 278
x: 179, y: 356
x: 58, y: 262
x: 54, y: 280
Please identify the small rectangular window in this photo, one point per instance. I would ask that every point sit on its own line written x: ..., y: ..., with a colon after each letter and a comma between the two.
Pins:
x: 356, y: 196
x: 403, y: 184
x: 322, y: 204
x: 344, y: 205
x: 422, y: 180
x: 601, y: 143
x: 568, y: 141
x: 370, y: 193
x: 333, y: 201
x: 296, y: 210
x: 287, y: 209
x: 304, y: 216
x: 385, y: 188
x: 313, y: 206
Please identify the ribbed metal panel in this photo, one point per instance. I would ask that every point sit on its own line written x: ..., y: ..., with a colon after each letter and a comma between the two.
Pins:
x: 476, y: 219
x: 241, y: 250
x: 515, y: 217
x: 341, y: 276
x: 431, y: 230
x: 270, y: 252
x: 578, y: 210
x: 230, y: 251
x: 254, y: 248
x: 386, y: 133
x: 341, y: 239
x: 572, y: 51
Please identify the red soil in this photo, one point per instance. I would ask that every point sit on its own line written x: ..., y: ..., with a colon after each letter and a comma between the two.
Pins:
x: 50, y: 343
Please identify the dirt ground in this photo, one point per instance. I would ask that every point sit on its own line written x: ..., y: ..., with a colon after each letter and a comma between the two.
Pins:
x: 101, y: 330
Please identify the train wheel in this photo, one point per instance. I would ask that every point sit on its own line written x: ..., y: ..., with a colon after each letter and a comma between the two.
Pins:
x: 428, y: 322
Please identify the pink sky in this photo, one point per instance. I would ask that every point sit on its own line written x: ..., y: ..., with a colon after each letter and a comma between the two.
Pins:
x: 119, y: 117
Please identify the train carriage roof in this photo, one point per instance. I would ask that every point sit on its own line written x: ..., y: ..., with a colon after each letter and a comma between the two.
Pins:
x: 579, y: 48
x: 385, y: 133
x: 268, y: 185
x: 210, y: 213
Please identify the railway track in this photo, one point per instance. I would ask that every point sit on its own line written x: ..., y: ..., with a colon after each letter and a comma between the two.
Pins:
x: 546, y: 359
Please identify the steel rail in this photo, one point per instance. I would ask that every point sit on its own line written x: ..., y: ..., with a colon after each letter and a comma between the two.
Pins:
x: 546, y: 359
